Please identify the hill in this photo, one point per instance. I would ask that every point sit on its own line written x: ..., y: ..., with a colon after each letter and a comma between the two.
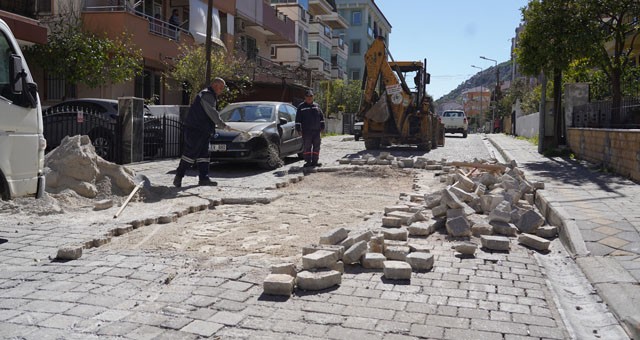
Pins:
x: 486, y: 78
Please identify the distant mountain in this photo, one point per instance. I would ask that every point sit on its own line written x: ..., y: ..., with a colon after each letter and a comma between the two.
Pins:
x: 486, y: 78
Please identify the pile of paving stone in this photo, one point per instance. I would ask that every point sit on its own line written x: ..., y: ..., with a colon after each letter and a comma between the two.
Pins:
x: 492, y: 202
x: 385, y: 158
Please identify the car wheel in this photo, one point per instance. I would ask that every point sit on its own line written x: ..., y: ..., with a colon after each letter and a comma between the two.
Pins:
x: 102, y: 141
x: 425, y: 146
x: 357, y: 138
x: 274, y: 160
x: 464, y: 134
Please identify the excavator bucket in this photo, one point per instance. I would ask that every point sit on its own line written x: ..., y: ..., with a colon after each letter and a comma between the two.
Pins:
x: 379, y: 112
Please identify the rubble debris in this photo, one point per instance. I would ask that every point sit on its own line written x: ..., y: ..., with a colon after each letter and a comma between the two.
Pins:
x: 69, y: 253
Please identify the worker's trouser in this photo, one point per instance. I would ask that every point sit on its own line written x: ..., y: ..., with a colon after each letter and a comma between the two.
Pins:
x: 311, y: 146
x: 195, y: 151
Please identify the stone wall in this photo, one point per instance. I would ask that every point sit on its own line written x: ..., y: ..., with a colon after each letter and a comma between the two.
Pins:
x: 528, y: 126
x: 618, y: 149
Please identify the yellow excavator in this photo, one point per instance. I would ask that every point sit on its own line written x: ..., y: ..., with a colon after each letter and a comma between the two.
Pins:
x: 393, y: 114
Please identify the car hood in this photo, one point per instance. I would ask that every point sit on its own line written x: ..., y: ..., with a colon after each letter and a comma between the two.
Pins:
x: 249, y: 126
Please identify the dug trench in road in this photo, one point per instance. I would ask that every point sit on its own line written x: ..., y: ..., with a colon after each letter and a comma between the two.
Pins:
x: 308, y: 209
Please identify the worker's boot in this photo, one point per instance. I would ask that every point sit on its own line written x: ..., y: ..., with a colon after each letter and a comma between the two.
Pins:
x: 180, y: 172
x: 204, y: 180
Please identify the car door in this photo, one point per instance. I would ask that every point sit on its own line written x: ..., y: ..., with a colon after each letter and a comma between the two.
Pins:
x: 286, y: 124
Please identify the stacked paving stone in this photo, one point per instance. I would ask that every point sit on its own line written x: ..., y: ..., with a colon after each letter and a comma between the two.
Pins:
x: 489, y: 202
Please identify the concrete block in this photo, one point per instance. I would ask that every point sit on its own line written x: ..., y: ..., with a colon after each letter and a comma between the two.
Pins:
x: 284, y: 268
x: 385, y: 155
x: 476, y: 218
x: 530, y: 221
x: 481, y: 229
x: 397, y: 270
x: 525, y: 187
x: 315, y: 247
x: 363, y: 236
x: 500, y: 243
x: 512, y: 196
x: 534, y: 242
x: 453, y: 213
x: 509, y: 182
x: 344, y: 161
x: 538, y: 185
x: 440, y: 210
x: 359, y: 162
x: 480, y: 189
x: 451, y: 200
x: 398, y: 253
x: 463, y: 195
x: 103, y: 204
x: 420, y: 261
x: 373, y: 261
x: 376, y: 244
x: 487, y: 179
x: 530, y: 198
x: 438, y: 223
x: 420, y: 248
x: 278, y: 284
x: 466, y: 248
x: 392, y: 208
x: 458, y: 227
x: 490, y: 202
x: 318, y: 280
x: 389, y: 243
x: 347, y: 242
x: 547, y: 231
x: 421, y: 229
x: 399, y: 234
x: 463, y: 182
x: 391, y: 222
x: 334, y: 236
x: 406, y: 218
x: 504, y: 228
x: 355, y: 252
x: 432, y: 200
x: 69, y: 253
x: 319, y: 259
x: 501, y: 213
x: 416, y: 197
x: 383, y: 162
x: 338, y: 266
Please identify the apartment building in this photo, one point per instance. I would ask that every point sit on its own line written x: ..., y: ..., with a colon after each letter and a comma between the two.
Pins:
x: 366, y: 22
x: 476, y: 104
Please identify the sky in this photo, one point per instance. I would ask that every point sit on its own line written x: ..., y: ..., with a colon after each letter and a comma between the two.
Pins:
x: 451, y: 35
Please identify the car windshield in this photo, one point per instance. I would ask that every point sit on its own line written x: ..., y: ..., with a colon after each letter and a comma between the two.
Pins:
x: 247, y: 113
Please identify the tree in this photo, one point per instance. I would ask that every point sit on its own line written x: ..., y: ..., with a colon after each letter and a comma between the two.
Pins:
x: 189, y: 70
x: 83, y: 57
x: 338, y: 96
x: 614, y: 24
x: 552, y: 38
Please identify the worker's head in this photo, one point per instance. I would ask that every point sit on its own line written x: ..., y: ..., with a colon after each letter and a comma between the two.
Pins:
x: 218, y: 85
x: 308, y: 97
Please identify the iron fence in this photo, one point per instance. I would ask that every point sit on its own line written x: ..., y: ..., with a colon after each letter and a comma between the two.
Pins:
x: 598, y: 115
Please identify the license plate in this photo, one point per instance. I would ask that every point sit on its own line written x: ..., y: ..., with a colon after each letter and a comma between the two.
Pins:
x: 217, y: 147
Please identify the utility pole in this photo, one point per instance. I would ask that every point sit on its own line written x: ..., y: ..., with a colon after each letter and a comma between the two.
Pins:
x: 481, y: 95
x: 495, y: 92
x: 207, y: 43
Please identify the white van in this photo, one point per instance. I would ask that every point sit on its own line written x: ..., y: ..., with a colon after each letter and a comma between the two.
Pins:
x: 22, y: 143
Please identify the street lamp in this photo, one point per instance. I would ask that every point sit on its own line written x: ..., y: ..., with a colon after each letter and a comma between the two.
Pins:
x: 495, y: 91
x: 481, y: 115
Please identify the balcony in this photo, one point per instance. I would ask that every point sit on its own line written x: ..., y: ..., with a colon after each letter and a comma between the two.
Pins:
x: 335, y: 21
x: 277, y: 25
x: 157, y: 39
x: 319, y: 7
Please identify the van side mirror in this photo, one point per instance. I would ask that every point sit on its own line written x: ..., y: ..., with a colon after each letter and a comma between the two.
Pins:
x: 17, y: 73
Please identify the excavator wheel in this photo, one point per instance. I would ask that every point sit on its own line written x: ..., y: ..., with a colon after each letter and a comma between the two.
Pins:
x: 425, y: 146
x: 372, y: 143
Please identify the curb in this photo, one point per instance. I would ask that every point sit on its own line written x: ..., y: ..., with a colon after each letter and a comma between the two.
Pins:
x: 617, y: 288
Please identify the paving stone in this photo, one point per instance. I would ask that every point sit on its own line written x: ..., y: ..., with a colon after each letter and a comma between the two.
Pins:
x: 458, y: 227
x: 393, y: 208
x: 500, y: 243
x: 490, y: 202
x: 355, y: 252
x: 535, y: 242
x: 480, y: 189
x: 376, y: 244
x: 334, y: 236
x: 399, y: 234
x: 481, y: 229
x: 391, y: 222
x: 547, y: 231
x: 440, y: 210
x: 347, y: 242
x: 450, y: 199
x: 466, y: 248
x: 421, y: 229
x: 432, y: 200
x: 338, y: 266
x: 530, y: 221
x: 278, y: 284
x: 319, y: 259
x: 285, y: 268
x: 501, y: 213
x: 318, y: 280
x: 373, y: 261
x: 315, y: 247
x: 363, y: 236
x: 463, y: 195
x: 202, y: 328
x: 397, y: 253
x: 69, y: 252
x: 420, y: 261
x: 420, y: 248
x: 504, y: 228
x: 464, y: 183
x: 397, y: 270
x: 406, y: 217
x: 103, y: 204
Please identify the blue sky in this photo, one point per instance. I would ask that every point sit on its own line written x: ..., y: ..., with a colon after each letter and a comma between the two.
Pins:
x: 452, y: 35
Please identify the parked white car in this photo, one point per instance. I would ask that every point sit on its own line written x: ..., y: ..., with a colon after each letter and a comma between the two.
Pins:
x: 455, y: 121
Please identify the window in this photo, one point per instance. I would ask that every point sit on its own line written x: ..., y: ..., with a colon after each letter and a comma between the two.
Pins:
x: 283, y: 113
x: 5, y: 68
x: 43, y: 6
x: 355, y: 46
x: 274, y: 52
x: 292, y: 111
x: 355, y: 74
x: 356, y: 18
x: 148, y: 85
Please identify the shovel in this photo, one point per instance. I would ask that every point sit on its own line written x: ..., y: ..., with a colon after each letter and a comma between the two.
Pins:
x: 143, y: 181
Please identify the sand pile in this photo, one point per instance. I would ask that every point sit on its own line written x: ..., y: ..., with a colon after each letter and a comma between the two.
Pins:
x: 75, y: 166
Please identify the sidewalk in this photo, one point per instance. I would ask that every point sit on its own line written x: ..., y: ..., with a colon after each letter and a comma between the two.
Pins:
x: 599, y: 217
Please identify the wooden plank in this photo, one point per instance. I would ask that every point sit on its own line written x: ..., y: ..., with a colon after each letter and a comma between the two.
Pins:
x: 490, y: 167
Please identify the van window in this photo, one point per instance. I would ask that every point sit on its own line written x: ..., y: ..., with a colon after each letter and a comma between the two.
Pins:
x: 5, y: 59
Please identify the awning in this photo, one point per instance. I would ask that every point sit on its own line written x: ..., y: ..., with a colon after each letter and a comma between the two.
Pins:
x: 198, y: 22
